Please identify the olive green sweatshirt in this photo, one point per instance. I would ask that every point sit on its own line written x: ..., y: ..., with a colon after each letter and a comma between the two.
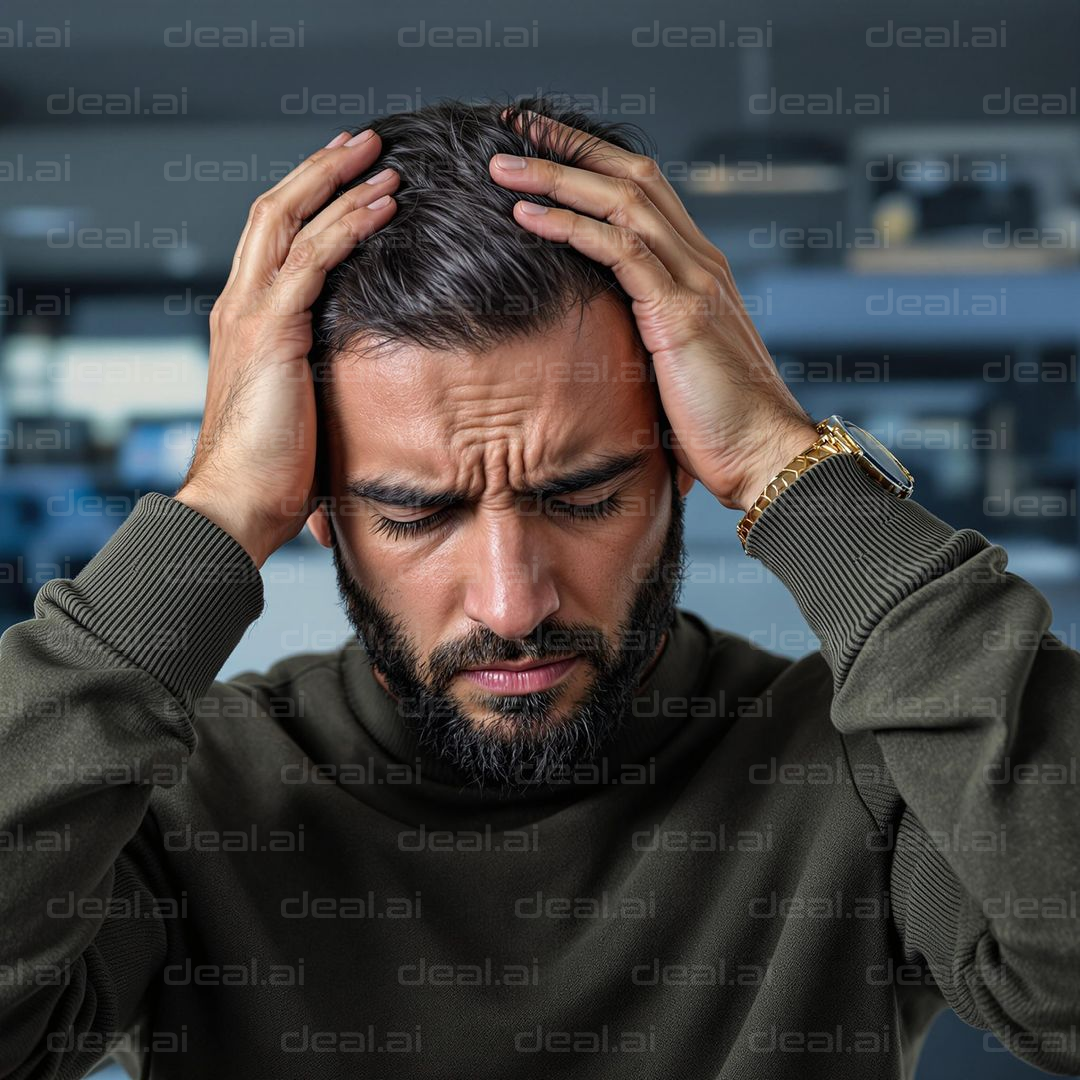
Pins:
x: 780, y: 869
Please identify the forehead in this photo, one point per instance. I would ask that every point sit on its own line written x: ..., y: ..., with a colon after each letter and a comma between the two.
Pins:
x: 584, y: 383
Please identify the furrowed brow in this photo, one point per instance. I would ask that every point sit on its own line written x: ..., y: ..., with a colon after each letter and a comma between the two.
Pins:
x: 602, y: 471
x: 395, y: 491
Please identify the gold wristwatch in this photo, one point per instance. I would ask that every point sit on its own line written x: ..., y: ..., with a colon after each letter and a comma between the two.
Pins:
x: 835, y: 436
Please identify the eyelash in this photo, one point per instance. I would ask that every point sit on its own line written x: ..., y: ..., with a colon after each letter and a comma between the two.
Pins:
x: 396, y: 530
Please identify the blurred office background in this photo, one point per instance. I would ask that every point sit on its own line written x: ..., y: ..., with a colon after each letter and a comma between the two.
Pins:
x: 896, y: 185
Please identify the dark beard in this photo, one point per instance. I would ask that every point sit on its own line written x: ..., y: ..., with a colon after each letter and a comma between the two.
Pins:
x: 523, y: 745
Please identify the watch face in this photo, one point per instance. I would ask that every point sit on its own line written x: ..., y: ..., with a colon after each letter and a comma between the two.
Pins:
x: 879, y: 455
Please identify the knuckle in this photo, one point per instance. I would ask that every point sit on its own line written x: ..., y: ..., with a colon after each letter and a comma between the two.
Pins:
x: 222, y: 315
x: 302, y: 255
x: 631, y: 246
x: 630, y: 192
x: 621, y: 215
x: 635, y: 245
x: 553, y: 186
x: 263, y: 209
x: 352, y: 228
x: 353, y: 200
x: 328, y: 168
x: 644, y: 169
x: 708, y: 286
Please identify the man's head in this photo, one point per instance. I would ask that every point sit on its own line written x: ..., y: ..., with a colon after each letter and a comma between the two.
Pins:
x: 465, y: 369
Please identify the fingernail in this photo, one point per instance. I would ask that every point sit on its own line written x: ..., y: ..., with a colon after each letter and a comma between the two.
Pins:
x: 532, y: 208
x: 362, y: 137
x: 510, y: 161
x: 336, y: 140
x: 378, y: 178
x: 378, y: 204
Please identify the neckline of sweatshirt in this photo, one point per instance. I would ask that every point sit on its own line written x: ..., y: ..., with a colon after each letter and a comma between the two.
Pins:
x: 659, y: 710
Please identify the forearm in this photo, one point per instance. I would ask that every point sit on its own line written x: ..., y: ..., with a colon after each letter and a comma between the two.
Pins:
x: 946, y: 659
x: 97, y: 693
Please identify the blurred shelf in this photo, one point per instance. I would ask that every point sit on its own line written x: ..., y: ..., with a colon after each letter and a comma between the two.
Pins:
x: 816, y: 309
x: 952, y: 258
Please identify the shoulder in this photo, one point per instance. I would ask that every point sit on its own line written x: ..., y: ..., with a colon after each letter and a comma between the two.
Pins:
x: 784, y: 716
x: 280, y: 693
x: 738, y: 663
x: 285, y: 672
x: 250, y: 728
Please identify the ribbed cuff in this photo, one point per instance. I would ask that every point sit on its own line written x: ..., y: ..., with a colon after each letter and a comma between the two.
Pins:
x: 171, y: 591
x: 849, y: 552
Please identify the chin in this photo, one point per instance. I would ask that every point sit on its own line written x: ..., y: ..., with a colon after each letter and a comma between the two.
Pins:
x: 497, y: 725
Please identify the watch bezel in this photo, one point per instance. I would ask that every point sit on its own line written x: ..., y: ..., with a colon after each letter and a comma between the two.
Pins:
x: 872, y: 450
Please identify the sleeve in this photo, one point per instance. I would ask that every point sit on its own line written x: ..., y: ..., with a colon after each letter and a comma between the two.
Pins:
x: 946, y: 658
x: 96, y: 705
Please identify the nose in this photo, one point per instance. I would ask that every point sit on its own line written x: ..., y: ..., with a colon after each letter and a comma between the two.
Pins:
x: 510, y: 587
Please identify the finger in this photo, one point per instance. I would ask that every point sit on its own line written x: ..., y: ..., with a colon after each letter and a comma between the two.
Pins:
x: 641, y: 274
x: 615, y: 161
x: 303, y: 273
x: 278, y: 215
x: 238, y: 254
x: 615, y: 200
x: 356, y: 197
x: 250, y: 272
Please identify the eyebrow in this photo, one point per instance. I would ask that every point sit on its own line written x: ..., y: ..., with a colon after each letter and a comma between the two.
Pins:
x: 395, y: 491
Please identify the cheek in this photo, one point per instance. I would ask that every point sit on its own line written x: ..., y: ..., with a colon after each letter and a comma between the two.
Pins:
x: 607, y: 569
x: 648, y: 547
x: 647, y: 513
x: 420, y: 591
x: 405, y: 590
x: 357, y: 552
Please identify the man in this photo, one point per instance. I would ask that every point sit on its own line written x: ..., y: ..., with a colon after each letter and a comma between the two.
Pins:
x: 534, y: 819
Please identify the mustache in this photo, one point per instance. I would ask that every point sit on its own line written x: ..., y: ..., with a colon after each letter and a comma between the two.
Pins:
x: 552, y: 642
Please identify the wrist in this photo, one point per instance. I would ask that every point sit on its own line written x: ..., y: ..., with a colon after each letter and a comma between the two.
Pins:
x: 779, y: 452
x: 241, y: 527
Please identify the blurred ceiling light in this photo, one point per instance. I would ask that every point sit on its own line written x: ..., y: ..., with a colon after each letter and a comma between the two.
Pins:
x: 32, y: 222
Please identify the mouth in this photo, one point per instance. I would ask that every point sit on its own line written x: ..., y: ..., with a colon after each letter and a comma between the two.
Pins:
x: 521, y: 678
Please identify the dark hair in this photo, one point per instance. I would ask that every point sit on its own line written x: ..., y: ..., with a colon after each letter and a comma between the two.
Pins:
x: 452, y: 269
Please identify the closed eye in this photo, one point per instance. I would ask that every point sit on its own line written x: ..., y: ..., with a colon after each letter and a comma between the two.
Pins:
x: 397, y: 530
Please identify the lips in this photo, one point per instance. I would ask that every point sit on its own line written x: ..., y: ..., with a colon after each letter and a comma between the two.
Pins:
x: 518, y: 665
x: 521, y: 680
